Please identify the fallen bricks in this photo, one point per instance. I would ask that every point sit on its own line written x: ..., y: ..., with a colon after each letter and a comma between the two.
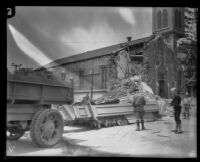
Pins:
x: 122, y: 91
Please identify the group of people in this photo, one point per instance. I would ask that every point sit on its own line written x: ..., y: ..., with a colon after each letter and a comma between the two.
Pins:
x: 139, y: 103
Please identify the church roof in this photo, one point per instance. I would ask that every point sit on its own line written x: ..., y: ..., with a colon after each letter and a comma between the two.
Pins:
x: 94, y: 53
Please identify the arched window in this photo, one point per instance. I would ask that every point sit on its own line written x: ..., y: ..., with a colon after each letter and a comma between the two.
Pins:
x: 159, y: 20
x: 179, y: 19
x: 176, y: 18
x: 179, y: 79
x: 165, y: 18
x: 103, y: 76
x: 81, y: 78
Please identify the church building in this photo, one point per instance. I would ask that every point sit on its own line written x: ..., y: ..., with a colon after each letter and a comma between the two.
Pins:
x: 92, y: 70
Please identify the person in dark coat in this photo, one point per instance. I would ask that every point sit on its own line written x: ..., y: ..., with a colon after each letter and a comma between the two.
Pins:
x: 176, y: 103
x: 138, y: 105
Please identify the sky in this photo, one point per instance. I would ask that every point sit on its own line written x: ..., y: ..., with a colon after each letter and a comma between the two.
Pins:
x: 39, y: 35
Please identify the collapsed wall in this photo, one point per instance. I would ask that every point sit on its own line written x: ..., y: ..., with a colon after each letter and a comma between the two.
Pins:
x: 123, y: 90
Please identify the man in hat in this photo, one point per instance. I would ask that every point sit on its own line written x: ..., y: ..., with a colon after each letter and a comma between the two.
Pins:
x: 138, y: 105
x: 176, y: 103
x: 186, y: 106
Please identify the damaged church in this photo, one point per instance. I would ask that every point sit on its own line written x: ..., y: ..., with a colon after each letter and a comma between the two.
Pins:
x: 153, y: 57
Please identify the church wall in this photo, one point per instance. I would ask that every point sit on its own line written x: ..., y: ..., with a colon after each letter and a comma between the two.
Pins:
x: 170, y: 65
x: 153, y: 57
x: 151, y: 54
x: 73, y: 70
x: 149, y: 60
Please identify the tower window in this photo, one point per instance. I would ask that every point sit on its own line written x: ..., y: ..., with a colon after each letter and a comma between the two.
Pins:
x: 165, y: 18
x: 159, y: 18
x: 176, y: 18
x: 179, y: 19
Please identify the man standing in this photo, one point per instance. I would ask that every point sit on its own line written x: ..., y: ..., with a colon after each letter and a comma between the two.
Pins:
x: 176, y: 103
x: 138, y: 105
x: 186, y: 106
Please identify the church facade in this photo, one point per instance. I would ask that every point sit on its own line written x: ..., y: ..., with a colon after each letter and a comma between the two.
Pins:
x: 94, y: 69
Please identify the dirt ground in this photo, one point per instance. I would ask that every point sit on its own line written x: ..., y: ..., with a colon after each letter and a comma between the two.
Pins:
x: 157, y: 141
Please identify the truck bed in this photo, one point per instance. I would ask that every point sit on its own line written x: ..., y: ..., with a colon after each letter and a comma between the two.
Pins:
x: 43, y: 91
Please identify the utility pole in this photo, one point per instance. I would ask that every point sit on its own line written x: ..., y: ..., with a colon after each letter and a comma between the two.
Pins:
x: 72, y: 84
x: 16, y: 66
x: 91, y: 92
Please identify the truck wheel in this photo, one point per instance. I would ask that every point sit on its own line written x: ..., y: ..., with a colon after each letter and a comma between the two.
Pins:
x: 34, y: 119
x: 155, y: 115
x: 105, y: 123
x: 118, y: 122
x: 47, y: 128
x: 126, y: 121
x: 91, y: 124
x: 14, y: 133
x: 98, y: 125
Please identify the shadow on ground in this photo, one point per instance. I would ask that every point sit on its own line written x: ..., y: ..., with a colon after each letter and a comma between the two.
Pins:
x: 68, y: 147
x: 21, y: 146
x: 71, y: 147
x: 81, y: 129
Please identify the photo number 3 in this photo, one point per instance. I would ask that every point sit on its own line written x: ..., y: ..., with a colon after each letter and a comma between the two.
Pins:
x: 10, y: 12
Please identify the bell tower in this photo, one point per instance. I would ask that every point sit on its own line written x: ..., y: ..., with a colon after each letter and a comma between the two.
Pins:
x: 169, y: 22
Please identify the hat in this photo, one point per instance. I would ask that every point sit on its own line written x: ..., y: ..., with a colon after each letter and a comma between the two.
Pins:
x: 173, y: 89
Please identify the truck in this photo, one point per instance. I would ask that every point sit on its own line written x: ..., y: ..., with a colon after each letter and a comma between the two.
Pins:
x: 29, y: 100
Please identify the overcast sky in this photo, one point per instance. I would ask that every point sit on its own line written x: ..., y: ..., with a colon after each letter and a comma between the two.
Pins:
x: 37, y: 35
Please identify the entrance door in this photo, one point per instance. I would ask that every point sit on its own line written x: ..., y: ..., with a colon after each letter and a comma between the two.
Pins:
x: 161, y: 89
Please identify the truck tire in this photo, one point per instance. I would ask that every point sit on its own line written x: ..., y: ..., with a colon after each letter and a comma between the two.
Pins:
x: 98, y: 125
x: 47, y: 128
x: 105, y: 123
x: 15, y: 132
x: 34, y: 119
x: 91, y: 124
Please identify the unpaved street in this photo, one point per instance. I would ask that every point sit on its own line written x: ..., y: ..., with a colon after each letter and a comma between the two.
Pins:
x: 157, y: 141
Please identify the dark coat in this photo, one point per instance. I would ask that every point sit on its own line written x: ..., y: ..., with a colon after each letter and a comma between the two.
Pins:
x: 176, y: 102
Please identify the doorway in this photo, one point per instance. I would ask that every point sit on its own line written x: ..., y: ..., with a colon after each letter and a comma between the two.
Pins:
x: 161, y: 88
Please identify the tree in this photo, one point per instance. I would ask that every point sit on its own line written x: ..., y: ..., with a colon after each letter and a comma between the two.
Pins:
x: 187, y: 46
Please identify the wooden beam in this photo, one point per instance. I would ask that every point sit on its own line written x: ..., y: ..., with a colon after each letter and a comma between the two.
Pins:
x: 136, y: 56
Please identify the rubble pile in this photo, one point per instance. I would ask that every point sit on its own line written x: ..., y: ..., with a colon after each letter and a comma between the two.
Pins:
x: 122, y: 91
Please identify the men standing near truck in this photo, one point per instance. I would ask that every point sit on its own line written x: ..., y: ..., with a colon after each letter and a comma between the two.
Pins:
x: 138, y: 106
x: 176, y: 103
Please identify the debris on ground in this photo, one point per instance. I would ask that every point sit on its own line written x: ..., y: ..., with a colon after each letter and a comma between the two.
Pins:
x: 123, y: 90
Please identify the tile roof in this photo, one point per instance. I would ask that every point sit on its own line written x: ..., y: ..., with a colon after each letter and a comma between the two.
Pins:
x: 94, y: 53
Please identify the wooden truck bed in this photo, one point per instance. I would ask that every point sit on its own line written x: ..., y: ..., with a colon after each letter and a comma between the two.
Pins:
x: 38, y: 92
x: 87, y: 111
